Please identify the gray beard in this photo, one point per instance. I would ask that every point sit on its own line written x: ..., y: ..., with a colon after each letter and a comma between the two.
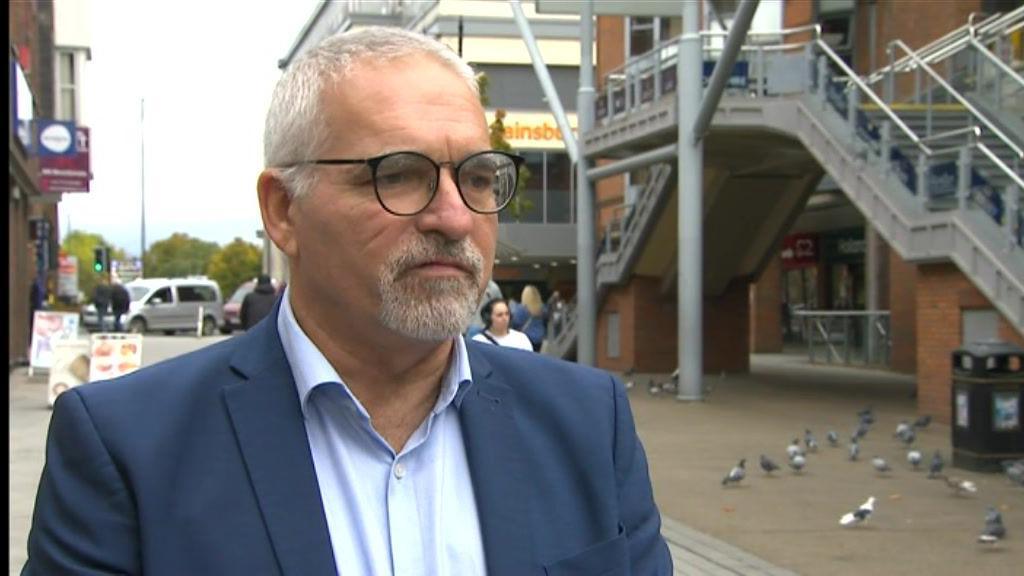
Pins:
x: 433, y: 309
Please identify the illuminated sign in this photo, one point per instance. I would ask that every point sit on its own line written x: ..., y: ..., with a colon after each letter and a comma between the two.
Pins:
x: 533, y: 130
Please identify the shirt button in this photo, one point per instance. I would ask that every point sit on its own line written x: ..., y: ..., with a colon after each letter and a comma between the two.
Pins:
x: 399, y: 470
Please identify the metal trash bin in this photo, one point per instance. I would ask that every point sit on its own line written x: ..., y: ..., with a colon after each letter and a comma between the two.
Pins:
x: 988, y: 391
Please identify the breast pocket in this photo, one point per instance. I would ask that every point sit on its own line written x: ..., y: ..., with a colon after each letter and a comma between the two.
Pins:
x: 608, y: 558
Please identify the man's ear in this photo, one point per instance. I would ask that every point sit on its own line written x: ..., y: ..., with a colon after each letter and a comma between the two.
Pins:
x: 275, y: 204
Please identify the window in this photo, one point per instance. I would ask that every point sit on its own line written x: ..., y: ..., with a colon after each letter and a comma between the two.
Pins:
x: 559, y: 188
x: 163, y: 294
x: 67, y: 86
x: 196, y: 294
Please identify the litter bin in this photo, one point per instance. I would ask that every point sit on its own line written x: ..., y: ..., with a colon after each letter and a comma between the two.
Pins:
x: 988, y: 390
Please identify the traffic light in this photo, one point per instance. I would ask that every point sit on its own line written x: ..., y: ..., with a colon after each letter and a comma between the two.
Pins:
x: 101, y: 259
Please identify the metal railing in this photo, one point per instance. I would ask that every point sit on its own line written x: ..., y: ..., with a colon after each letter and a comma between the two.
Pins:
x: 849, y: 337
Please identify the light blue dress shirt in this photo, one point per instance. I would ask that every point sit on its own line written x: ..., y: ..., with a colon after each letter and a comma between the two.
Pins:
x: 406, y: 514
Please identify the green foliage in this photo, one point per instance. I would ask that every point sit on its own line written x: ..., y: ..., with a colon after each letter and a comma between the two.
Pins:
x: 80, y: 245
x: 234, y: 264
x: 520, y: 204
x: 178, y: 256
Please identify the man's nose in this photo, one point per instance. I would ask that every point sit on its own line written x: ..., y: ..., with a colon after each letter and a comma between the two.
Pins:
x: 446, y: 214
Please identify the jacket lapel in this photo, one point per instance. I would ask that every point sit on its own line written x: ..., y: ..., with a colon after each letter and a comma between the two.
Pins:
x: 498, y: 468
x: 265, y: 412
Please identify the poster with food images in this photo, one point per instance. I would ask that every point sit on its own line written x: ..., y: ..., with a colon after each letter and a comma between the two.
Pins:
x: 114, y: 355
x: 47, y: 328
x: 70, y: 367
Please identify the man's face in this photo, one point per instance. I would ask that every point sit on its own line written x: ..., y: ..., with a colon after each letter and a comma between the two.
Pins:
x: 420, y: 276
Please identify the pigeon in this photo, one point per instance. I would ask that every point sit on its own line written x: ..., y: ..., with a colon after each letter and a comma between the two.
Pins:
x: 794, y: 449
x: 737, y: 473
x: 867, y: 416
x: 628, y: 377
x: 797, y: 463
x: 652, y: 388
x: 812, y: 444
x: 994, y: 530
x: 860, y: 514
x: 861, y: 431
x: 961, y: 487
x: 923, y: 421
x: 880, y: 464
x: 833, y: 438
x: 1014, y: 471
x: 908, y: 437
x: 902, y: 428
x: 935, y: 468
x: 914, y: 457
x: 768, y: 465
x: 854, y: 450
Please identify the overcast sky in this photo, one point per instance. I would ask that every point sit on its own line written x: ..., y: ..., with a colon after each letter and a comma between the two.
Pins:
x: 206, y: 70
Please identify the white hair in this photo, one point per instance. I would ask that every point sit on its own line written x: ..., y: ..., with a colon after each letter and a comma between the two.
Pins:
x: 295, y: 129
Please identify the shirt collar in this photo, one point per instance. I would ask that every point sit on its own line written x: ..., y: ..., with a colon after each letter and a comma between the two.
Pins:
x: 310, y: 368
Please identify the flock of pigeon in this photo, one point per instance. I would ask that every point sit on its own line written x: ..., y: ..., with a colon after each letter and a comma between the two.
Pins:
x: 906, y: 433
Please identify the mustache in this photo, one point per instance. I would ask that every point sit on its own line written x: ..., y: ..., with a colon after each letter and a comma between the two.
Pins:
x: 424, y: 249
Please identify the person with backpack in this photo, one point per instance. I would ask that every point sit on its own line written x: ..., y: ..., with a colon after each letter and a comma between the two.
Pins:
x: 531, y: 316
x: 120, y: 300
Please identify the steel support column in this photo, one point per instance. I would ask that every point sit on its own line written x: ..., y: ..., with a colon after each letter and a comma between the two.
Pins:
x: 694, y: 116
x: 586, y: 287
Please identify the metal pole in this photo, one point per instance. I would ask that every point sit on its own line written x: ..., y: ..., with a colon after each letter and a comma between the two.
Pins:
x: 871, y: 279
x: 690, y: 190
x: 661, y: 154
x: 544, y: 77
x: 723, y: 69
x: 586, y: 289
x: 142, y: 131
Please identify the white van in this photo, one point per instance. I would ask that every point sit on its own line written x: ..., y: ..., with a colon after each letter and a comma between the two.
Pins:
x: 167, y: 304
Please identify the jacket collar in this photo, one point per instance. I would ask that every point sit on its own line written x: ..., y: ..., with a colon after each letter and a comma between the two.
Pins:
x: 264, y: 411
x: 498, y: 468
x: 267, y: 418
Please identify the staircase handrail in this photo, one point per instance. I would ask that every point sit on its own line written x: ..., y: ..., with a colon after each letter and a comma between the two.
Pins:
x: 953, y: 41
x: 951, y: 133
x: 996, y: 23
x: 997, y: 61
x: 619, y: 73
x: 852, y: 78
x: 999, y: 163
x: 959, y: 97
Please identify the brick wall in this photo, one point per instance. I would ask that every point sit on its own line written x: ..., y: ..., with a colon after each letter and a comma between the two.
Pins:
x: 765, y: 314
x: 902, y: 314
x: 943, y: 292
x: 727, y: 330
x: 647, y: 321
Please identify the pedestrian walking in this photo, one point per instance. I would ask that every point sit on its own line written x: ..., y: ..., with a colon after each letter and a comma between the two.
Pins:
x: 259, y: 303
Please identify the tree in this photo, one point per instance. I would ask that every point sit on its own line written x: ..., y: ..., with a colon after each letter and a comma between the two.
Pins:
x: 178, y: 256
x: 234, y: 264
x: 80, y: 244
x: 520, y: 204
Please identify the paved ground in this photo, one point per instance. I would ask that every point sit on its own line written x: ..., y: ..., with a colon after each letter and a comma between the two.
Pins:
x: 781, y: 525
x: 919, y: 526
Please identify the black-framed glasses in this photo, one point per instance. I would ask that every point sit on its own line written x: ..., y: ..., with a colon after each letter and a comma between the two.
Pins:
x: 406, y: 182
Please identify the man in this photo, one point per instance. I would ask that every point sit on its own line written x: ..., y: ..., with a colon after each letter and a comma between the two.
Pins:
x: 354, y: 431
x: 259, y: 303
x: 120, y: 302
x: 101, y: 300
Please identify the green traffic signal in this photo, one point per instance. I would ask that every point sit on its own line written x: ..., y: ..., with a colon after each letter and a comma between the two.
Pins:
x: 97, y: 267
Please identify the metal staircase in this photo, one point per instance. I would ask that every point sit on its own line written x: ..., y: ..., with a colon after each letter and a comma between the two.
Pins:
x: 619, y: 250
x: 938, y: 176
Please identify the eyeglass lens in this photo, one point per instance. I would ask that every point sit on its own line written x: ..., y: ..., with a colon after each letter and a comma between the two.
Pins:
x: 406, y: 182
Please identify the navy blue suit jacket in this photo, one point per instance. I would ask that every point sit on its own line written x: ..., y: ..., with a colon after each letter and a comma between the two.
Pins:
x: 200, y: 465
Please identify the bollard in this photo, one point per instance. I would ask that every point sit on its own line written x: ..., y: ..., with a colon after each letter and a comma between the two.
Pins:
x: 199, y: 323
